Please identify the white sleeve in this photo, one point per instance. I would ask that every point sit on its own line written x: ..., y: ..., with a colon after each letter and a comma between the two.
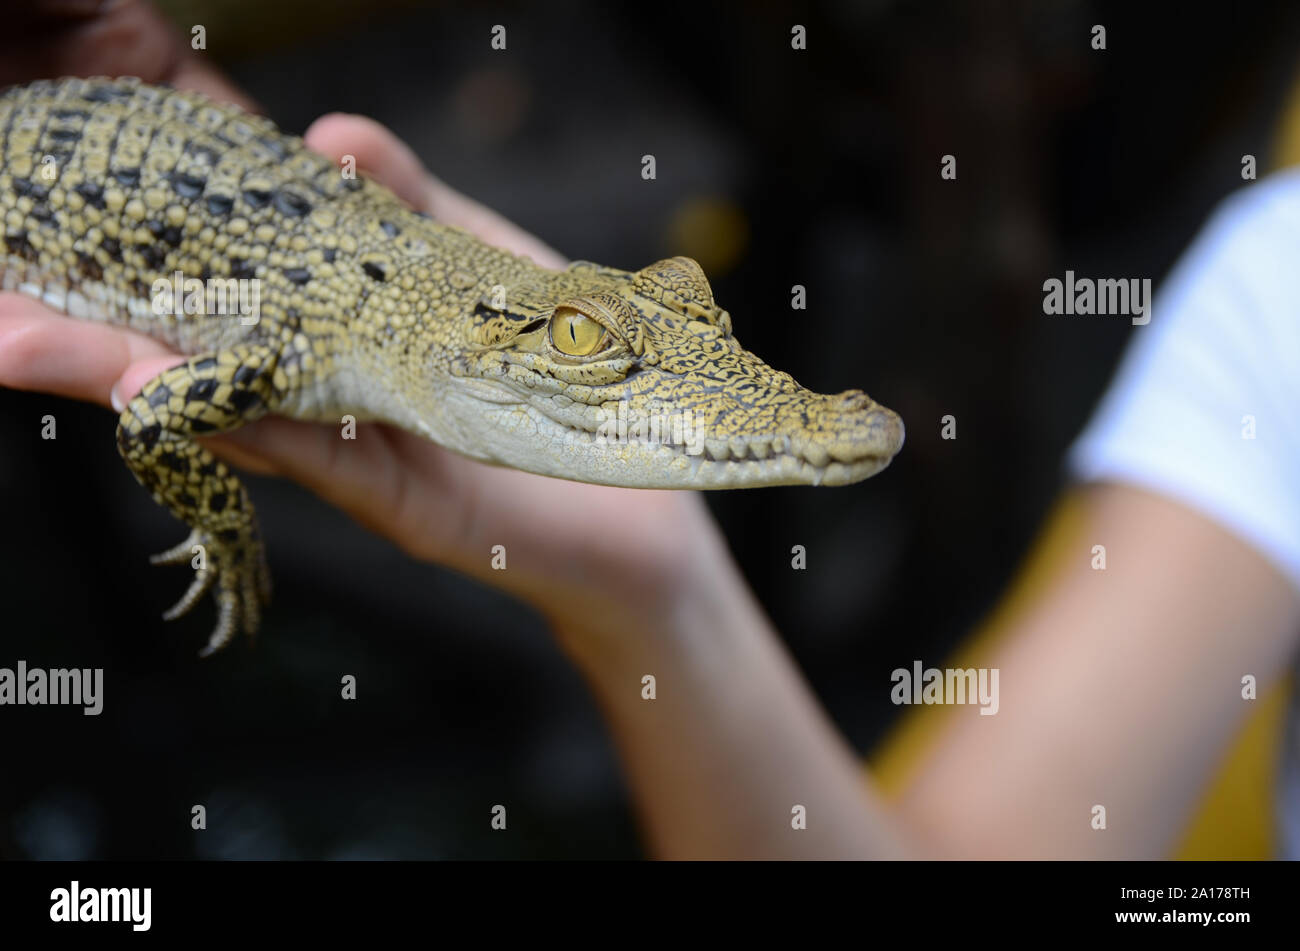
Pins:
x: 1219, y: 360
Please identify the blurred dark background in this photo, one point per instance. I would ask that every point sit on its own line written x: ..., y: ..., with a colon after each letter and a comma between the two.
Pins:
x: 775, y: 167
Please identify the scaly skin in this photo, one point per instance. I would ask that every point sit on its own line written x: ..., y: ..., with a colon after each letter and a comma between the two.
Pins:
x: 370, y: 309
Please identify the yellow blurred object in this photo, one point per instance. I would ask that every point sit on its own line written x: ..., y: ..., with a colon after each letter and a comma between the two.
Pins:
x: 713, y: 231
x: 1235, y: 817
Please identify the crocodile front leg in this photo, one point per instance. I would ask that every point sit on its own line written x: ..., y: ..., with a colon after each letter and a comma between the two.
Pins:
x: 155, y: 435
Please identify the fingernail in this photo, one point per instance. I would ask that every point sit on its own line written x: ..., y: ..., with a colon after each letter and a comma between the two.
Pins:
x: 115, y: 397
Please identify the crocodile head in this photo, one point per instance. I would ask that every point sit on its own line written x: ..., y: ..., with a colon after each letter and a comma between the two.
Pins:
x: 635, y: 379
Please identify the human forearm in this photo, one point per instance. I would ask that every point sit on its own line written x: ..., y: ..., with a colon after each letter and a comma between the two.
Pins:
x: 733, y: 740
x: 1120, y: 689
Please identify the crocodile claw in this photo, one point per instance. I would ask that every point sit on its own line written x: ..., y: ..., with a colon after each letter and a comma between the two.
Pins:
x: 235, y: 570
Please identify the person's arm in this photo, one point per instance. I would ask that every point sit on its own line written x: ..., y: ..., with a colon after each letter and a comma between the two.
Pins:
x: 1119, y: 690
x: 734, y: 740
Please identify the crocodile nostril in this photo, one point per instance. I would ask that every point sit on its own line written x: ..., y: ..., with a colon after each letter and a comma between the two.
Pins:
x: 851, y: 401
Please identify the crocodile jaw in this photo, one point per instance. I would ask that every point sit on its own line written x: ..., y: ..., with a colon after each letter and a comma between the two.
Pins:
x: 577, y: 443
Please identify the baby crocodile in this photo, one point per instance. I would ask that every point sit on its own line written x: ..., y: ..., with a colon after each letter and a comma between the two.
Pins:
x: 309, y: 292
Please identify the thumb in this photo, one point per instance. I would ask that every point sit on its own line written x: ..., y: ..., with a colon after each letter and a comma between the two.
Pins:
x: 388, y: 160
x: 378, y: 152
x: 137, y: 375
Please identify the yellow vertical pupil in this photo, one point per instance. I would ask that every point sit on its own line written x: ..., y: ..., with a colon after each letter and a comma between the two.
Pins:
x: 575, y: 334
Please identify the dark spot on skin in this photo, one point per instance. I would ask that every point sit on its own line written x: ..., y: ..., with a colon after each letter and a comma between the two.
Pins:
x: 208, y: 468
x: 175, y: 462
x: 129, y: 177
x: 299, y: 275
x: 257, y: 198
x: 291, y: 360
x: 71, y: 114
x: 25, y: 186
x: 244, y: 400
x: 206, y: 363
x: 240, y: 268
x: 390, y: 229
x: 291, y: 204
x: 329, y: 254
x: 64, y: 135
x: 42, y: 212
x: 188, y: 500
x: 374, y: 270
x: 201, y: 426
x: 217, y: 502
x: 113, y: 248
x: 245, y: 375
x: 155, y: 227
x: 274, y: 146
x: 90, y: 267
x: 106, y: 94
x: 20, y: 246
x: 159, y: 395
x: 201, y: 391
x: 149, y: 435
x: 154, y: 255
x: 220, y: 204
x: 172, y: 235
x: 92, y: 193
x: 353, y: 184
x: 187, y: 185
x: 229, y: 535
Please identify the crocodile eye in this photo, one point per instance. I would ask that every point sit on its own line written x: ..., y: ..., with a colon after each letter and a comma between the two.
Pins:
x: 575, y: 334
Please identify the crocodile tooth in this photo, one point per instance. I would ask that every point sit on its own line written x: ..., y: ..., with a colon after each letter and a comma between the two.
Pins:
x: 716, y: 449
x: 815, y: 453
x: 761, y: 448
x: 739, y: 447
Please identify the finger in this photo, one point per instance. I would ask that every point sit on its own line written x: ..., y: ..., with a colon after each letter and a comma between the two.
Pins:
x: 384, y: 156
x: 47, y: 352
x: 388, y: 160
x: 364, y: 477
x: 123, y: 38
x: 138, y: 374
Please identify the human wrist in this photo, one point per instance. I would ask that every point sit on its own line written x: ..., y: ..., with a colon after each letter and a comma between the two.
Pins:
x: 673, y: 615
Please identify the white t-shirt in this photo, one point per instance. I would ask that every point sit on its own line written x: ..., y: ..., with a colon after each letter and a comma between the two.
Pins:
x: 1205, y: 408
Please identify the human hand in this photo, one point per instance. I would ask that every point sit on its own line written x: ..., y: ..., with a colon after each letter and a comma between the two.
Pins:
x: 577, y: 552
x: 52, y: 38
